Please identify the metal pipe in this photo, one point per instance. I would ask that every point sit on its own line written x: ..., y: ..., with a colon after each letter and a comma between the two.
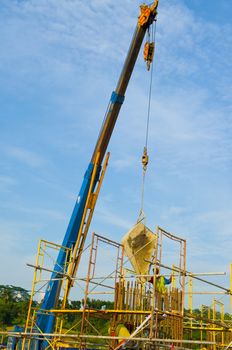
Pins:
x: 23, y: 334
x: 37, y: 267
x: 139, y: 275
x: 112, y: 293
x: 228, y: 291
x: 208, y: 273
x: 205, y: 293
x: 207, y: 329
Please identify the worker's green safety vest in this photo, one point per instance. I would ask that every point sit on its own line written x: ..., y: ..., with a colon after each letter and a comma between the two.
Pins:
x: 160, y: 284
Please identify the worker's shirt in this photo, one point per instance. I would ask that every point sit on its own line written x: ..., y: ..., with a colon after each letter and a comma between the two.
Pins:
x: 160, y: 283
x: 166, y: 280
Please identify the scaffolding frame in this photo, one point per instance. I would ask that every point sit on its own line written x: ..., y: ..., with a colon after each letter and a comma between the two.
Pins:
x: 212, y: 328
x: 150, y: 317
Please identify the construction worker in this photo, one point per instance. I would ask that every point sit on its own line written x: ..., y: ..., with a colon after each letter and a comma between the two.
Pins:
x: 122, y: 331
x: 160, y: 286
x: 160, y: 281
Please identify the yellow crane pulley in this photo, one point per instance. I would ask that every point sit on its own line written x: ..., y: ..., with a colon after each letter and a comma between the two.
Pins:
x: 145, y: 159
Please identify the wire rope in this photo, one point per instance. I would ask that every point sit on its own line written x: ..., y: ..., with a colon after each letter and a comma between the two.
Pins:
x: 145, y: 156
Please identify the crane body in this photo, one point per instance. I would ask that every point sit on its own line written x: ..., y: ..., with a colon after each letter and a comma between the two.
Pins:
x: 75, y: 237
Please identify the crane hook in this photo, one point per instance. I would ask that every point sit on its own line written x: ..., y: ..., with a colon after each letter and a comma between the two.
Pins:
x: 145, y: 159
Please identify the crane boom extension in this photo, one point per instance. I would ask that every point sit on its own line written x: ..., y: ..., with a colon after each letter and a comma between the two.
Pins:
x: 44, y: 320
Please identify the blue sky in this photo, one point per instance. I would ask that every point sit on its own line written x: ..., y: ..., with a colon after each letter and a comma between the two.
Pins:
x: 59, y: 62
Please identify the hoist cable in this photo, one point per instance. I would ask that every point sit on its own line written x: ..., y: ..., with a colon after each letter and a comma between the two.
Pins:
x: 141, y: 214
x: 153, y: 32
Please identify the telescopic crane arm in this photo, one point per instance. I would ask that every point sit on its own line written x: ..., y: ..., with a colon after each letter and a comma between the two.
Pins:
x: 146, y: 18
x: 75, y: 236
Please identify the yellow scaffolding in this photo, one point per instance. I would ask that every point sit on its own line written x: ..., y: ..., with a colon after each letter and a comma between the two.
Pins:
x: 149, y: 315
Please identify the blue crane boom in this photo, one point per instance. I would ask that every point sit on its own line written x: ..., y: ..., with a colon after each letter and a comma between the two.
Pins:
x: 74, y: 233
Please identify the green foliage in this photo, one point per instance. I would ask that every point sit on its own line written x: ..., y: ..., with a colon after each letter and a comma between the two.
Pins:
x: 98, y: 304
x: 99, y: 323
x: 13, y: 305
x: 13, y: 294
x: 72, y: 318
x: 7, y: 313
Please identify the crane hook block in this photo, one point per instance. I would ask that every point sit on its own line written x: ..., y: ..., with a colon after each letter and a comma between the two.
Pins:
x: 145, y: 159
x: 148, y: 53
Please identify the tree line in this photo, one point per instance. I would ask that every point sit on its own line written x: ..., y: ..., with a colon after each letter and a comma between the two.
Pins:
x: 14, y: 303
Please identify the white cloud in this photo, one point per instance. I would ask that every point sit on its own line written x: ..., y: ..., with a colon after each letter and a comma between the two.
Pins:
x: 106, y: 216
x: 45, y: 213
x: 25, y: 156
x: 123, y: 163
x: 6, y: 182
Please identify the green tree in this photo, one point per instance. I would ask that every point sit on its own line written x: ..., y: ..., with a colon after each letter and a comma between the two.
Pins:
x: 13, y: 305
